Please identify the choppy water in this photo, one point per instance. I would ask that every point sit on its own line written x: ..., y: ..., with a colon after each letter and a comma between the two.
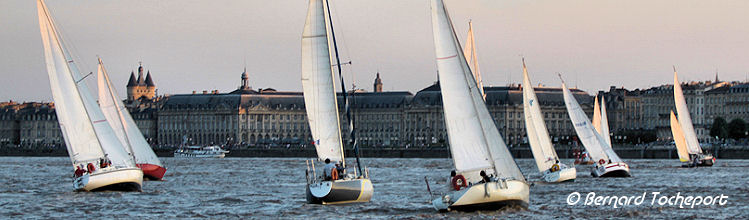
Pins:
x: 34, y: 187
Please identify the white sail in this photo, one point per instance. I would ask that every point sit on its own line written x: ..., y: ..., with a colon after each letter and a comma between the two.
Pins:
x: 318, y: 84
x: 679, y: 141
x: 596, y: 115
x: 538, y: 136
x: 87, y: 134
x: 685, y: 120
x: 122, y: 122
x: 469, y: 52
x: 591, y: 140
x: 475, y: 142
x: 604, y: 127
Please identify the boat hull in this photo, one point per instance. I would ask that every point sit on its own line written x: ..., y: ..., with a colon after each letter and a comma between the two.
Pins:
x: 221, y: 155
x: 152, y: 171
x: 619, y: 169
x: 340, y: 191
x: 127, y: 180
x: 564, y: 175
x: 486, y: 196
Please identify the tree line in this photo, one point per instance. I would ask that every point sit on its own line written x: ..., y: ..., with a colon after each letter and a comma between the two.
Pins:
x: 736, y: 129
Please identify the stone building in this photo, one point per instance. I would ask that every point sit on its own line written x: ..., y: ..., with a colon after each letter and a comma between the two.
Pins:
x: 142, y: 87
x: 29, y: 124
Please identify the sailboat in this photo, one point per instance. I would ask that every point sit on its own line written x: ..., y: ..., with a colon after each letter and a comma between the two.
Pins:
x: 469, y: 51
x: 608, y: 164
x: 683, y: 131
x: 125, y: 128
x: 322, y: 113
x: 546, y: 157
x: 487, y: 177
x: 99, y: 159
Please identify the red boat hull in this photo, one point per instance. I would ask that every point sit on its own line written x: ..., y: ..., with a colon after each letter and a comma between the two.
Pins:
x: 152, y: 172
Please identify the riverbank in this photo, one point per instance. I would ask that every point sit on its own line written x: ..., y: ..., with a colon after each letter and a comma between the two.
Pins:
x: 631, y: 152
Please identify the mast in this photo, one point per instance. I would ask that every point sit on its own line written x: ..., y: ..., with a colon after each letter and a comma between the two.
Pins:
x: 338, y: 64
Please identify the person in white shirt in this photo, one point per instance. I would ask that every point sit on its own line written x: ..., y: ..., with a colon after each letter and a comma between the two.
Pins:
x: 327, y: 169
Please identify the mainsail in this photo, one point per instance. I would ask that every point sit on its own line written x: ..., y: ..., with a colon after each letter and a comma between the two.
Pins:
x: 88, y: 136
x: 679, y: 141
x: 475, y: 142
x: 685, y: 120
x: 318, y: 84
x: 122, y: 122
x: 469, y: 52
x: 591, y: 140
x: 538, y: 136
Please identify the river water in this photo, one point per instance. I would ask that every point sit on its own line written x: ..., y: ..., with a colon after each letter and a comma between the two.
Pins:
x: 271, y: 188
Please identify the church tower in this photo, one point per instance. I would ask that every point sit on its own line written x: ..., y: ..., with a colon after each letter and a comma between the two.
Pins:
x: 378, y: 83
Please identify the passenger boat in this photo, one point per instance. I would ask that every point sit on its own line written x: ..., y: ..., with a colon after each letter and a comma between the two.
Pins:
x: 201, y: 152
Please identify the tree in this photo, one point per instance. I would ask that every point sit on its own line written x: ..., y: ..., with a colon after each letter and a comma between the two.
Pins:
x: 736, y: 128
x: 719, y: 128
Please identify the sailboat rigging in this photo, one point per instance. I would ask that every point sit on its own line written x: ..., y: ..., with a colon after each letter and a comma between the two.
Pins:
x: 322, y: 110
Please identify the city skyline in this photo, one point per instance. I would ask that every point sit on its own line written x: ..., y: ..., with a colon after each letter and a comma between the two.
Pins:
x: 189, y: 45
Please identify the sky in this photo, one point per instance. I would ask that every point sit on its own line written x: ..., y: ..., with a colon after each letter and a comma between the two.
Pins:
x: 204, y: 45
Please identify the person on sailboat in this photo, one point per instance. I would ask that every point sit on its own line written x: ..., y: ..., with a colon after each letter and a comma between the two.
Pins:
x: 484, y: 178
x: 450, y: 180
x: 79, y: 171
x: 328, y: 169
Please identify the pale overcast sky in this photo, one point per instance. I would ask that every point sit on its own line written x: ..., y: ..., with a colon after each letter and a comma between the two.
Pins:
x: 203, y: 45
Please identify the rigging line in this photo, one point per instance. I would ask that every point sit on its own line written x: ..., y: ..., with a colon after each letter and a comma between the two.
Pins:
x: 343, y: 88
x: 344, y: 45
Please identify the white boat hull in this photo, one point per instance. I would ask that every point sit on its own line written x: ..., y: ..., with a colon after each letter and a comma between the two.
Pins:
x: 485, y: 196
x: 340, y: 191
x: 619, y: 169
x: 563, y: 175
x: 130, y: 179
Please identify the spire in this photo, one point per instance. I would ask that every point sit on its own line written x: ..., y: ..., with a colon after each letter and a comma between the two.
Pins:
x: 149, y: 81
x: 378, y: 83
x: 141, y: 79
x: 716, y: 76
x: 132, y: 82
x: 245, y: 80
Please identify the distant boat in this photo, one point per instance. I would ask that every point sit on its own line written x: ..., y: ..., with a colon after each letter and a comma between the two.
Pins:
x: 683, y: 132
x: 475, y: 143
x: 469, y: 51
x: 125, y: 128
x: 201, y: 152
x: 318, y: 41
x: 543, y: 151
x: 99, y: 159
x: 608, y: 164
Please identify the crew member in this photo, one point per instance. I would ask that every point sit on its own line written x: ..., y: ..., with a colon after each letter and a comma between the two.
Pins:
x: 484, y: 177
x: 450, y: 181
x: 327, y: 169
